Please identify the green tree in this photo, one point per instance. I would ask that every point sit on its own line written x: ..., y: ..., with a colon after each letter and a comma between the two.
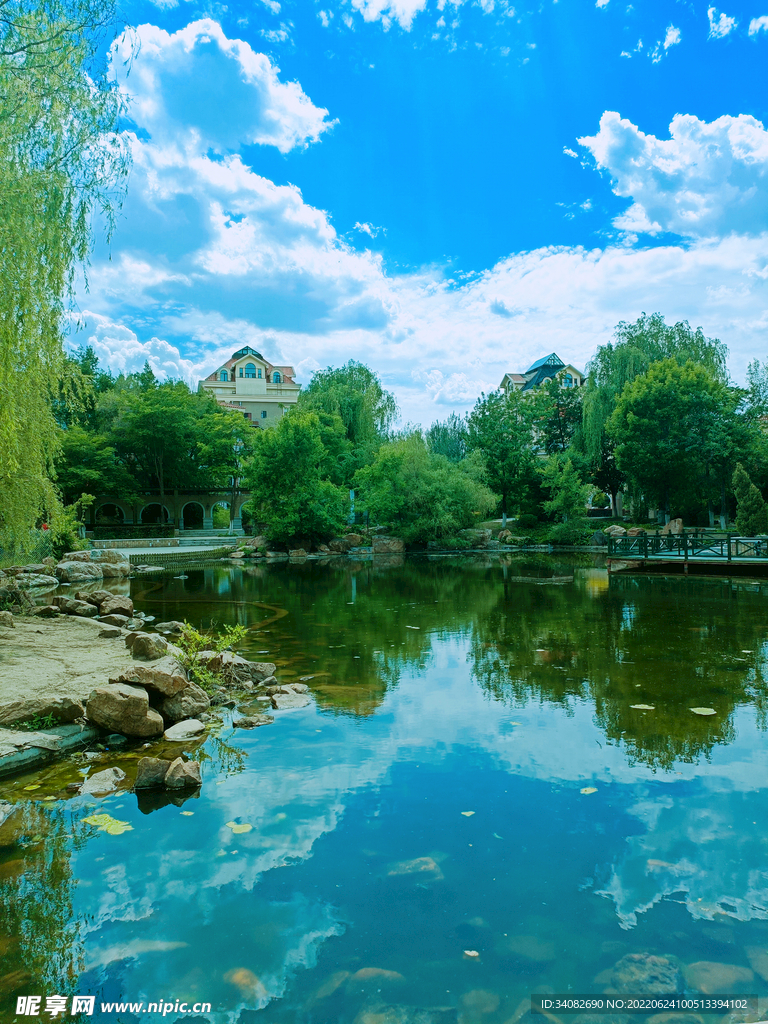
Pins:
x: 290, y: 496
x: 355, y: 394
x: 449, y: 438
x: 501, y: 428
x: 669, y: 427
x: 751, y: 515
x: 88, y: 464
x: 61, y: 163
x: 560, y: 414
x: 421, y: 496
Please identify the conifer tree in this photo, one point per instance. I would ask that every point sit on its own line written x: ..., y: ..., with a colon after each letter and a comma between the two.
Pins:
x: 751, y: 514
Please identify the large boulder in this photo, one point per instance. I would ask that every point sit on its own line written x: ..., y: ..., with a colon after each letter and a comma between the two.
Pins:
x: 76, y: 556
x: 151, y: 772
x: 646, y: 974
x: 103, y: 782
x: 122, y: 708
x: 37, y: 567
x: 286, y: 701
x: 183, y: 775
x: 674, y: 527
x: 342, y: 544
x: 114, y: 620
x: 61, y: 709
x: 6, y: 620
x: 615, y: 530
x: 172, y: 626
x: 116, y: 604
x: 388, y: 545
x: 77, y: 571
x: 46, y: 611
x: 476, y: 538
x: 119, y: 570
x: 190, y: 702
x: 165, y: 676
x: 27, y: 580
x: 252, y: 721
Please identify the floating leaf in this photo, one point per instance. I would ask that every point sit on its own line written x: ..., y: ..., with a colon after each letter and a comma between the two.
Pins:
x: 643, y: 707
x: 187, y: 814
x: 588, y: 789
x: 703, y: 711
x: 413, y: 627
x: 238, y: 829
x: 467, y: 814
x: 35, y: 785
x: 471, y: 952
x: 106, y: 823
x: 495, y: 836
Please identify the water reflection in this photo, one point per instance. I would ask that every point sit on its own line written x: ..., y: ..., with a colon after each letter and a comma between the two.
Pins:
x: 472, y: 776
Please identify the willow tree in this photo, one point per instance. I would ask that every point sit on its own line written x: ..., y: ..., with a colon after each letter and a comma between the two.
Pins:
x: 62, y: 164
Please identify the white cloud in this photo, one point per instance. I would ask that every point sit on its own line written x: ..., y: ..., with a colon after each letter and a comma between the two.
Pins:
x: 758, y: 25
x: 387, y: 11
x: 277, y: 35
x: 325, y: 17
x: 707, y: 179
x: 671, y: 38
x: 601, y: 3
x: 720, y: 26
x: 196, y: 88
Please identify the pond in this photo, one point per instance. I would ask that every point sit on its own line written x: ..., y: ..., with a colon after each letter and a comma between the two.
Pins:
x: 499, y: 788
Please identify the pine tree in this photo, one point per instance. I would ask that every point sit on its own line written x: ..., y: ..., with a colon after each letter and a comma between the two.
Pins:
x: 751, y: 514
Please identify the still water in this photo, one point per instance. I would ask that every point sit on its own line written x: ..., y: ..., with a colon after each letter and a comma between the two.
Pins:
x: 470, y: 809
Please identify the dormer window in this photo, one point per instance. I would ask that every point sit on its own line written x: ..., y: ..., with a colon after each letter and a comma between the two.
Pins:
x: 223, y: 375
x: 250, y: 370
x: 276, y: 377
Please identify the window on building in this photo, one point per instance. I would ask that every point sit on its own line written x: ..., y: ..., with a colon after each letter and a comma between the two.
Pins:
x: 276, y: 377
x: 247, y: 415
x: 259, y: 374
x: 263, y: 414
x: 568, y: 380
x: 223, y: 375
x: 250, y: 370
x: 241, y: 371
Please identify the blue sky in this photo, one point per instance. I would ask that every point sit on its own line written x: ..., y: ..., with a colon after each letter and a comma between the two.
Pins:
x: 445, y: 191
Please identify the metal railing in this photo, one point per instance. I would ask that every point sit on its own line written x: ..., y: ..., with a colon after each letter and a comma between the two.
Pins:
x: 723, y: 547
x: 180, y: 556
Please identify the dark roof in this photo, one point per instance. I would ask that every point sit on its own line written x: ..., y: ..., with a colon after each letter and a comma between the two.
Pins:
x: 247, y: 351
x: 551, y: 360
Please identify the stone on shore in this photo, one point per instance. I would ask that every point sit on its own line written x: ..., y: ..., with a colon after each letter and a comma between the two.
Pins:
x: 190, y: 729
x: 6, y: 620
x: 387, y: 545
x: 28, y: 580
x: 646, y: 974
x: 114, y: 620
x: 286, y: 701
x: 71, y: 606
x: 183, y: 775
x: 111, y: 633
x: 151, y: 772
x: 46, y: 611
x: 103, y: 782
x: 60, y: 709
x: 165, y: 676
x: 173, y: 626
x: 121, y: 708
x: 147, y: 646
x: 117, y: 604
x: 191, y: 702
x: 235, y: 670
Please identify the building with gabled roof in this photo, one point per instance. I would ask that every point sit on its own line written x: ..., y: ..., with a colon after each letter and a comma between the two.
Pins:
x: 542, y: 370
x: 249, y: 384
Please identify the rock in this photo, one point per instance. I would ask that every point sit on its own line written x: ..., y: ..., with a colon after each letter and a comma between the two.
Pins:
x: 27, y: 580
x: 103, y: 782
x: 269, y: 681
x: 134, y: 624
x: 343, y: 544
x: 298, y: 687
x: 646, y: 974
x: 118, y: 571
x: 170, y: 627
x: 710, y: 978
x: 528, y: 947
x: 77, y: 572
x: 46, y: 611
x: 77, y: 556
x: 148, y: 646
x: 190, y: 702
x: 60, y: 709
x: 286, y: 701
x: 165, y: 676
x: 114, y: 620
x: 376, y: 974
x: 116, y: 604
x: 614, y: 530
x: 124, y: 709
x: 115, y: 741
x: 635, y: 531
x: 6, y: 619
x: 151, y: 772
x: 297, y: 553
x: 183, y: 775
x: 37, y: 568
x: 86, y: 595
x: 236, y: 554
x: 476, y: 538
x: 188, y: 730
x: 674, y: 527
x: 599, y: 539
x: 478, y: 1002
x: 110, y: 633
x: 97, y: 596
x: 235, y: 670
x: 758, y: 960
x: 252, y: 721
x: 387, y: 545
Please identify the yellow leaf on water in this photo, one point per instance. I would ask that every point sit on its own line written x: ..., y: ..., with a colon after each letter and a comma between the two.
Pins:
x: 588, y: 789
x: 471, y: 953
x: 467, y: 814
x: 239, y: 829
x: 36, y: 785
x: 187, y: 814
x: 643, y: 707
x: 106, y: 823
x: 703, y: 711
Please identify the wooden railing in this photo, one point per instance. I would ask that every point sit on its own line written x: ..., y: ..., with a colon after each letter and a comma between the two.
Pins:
x: 180, y: 556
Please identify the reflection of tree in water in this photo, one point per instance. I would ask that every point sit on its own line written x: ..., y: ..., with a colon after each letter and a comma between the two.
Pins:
x: 673, y: 644
x: 40, y: 951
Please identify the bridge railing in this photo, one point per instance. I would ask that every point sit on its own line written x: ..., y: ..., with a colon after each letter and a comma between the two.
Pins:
x: 180, y: 556
x: 723, y: 547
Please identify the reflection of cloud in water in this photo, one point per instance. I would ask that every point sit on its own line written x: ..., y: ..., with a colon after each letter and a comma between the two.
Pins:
x: 704, y: 850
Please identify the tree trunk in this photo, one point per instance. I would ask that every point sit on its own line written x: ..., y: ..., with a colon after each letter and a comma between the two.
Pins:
x: 711, y: 514
x: 503, y: 511
x: 161, y: 483
x: 723, y: 507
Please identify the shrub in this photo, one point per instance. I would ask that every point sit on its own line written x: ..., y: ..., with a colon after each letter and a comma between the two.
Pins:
x: 751, y: 513
x: 527, y: 521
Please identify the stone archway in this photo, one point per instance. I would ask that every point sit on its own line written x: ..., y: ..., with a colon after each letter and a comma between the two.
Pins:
x: 155, y: 515
x: 110, y: 514
x: 220, y: 515
x: 193, y: 516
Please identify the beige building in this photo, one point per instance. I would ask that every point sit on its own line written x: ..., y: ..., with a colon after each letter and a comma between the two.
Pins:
x: 251, y: 385
x: 542, y: 370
